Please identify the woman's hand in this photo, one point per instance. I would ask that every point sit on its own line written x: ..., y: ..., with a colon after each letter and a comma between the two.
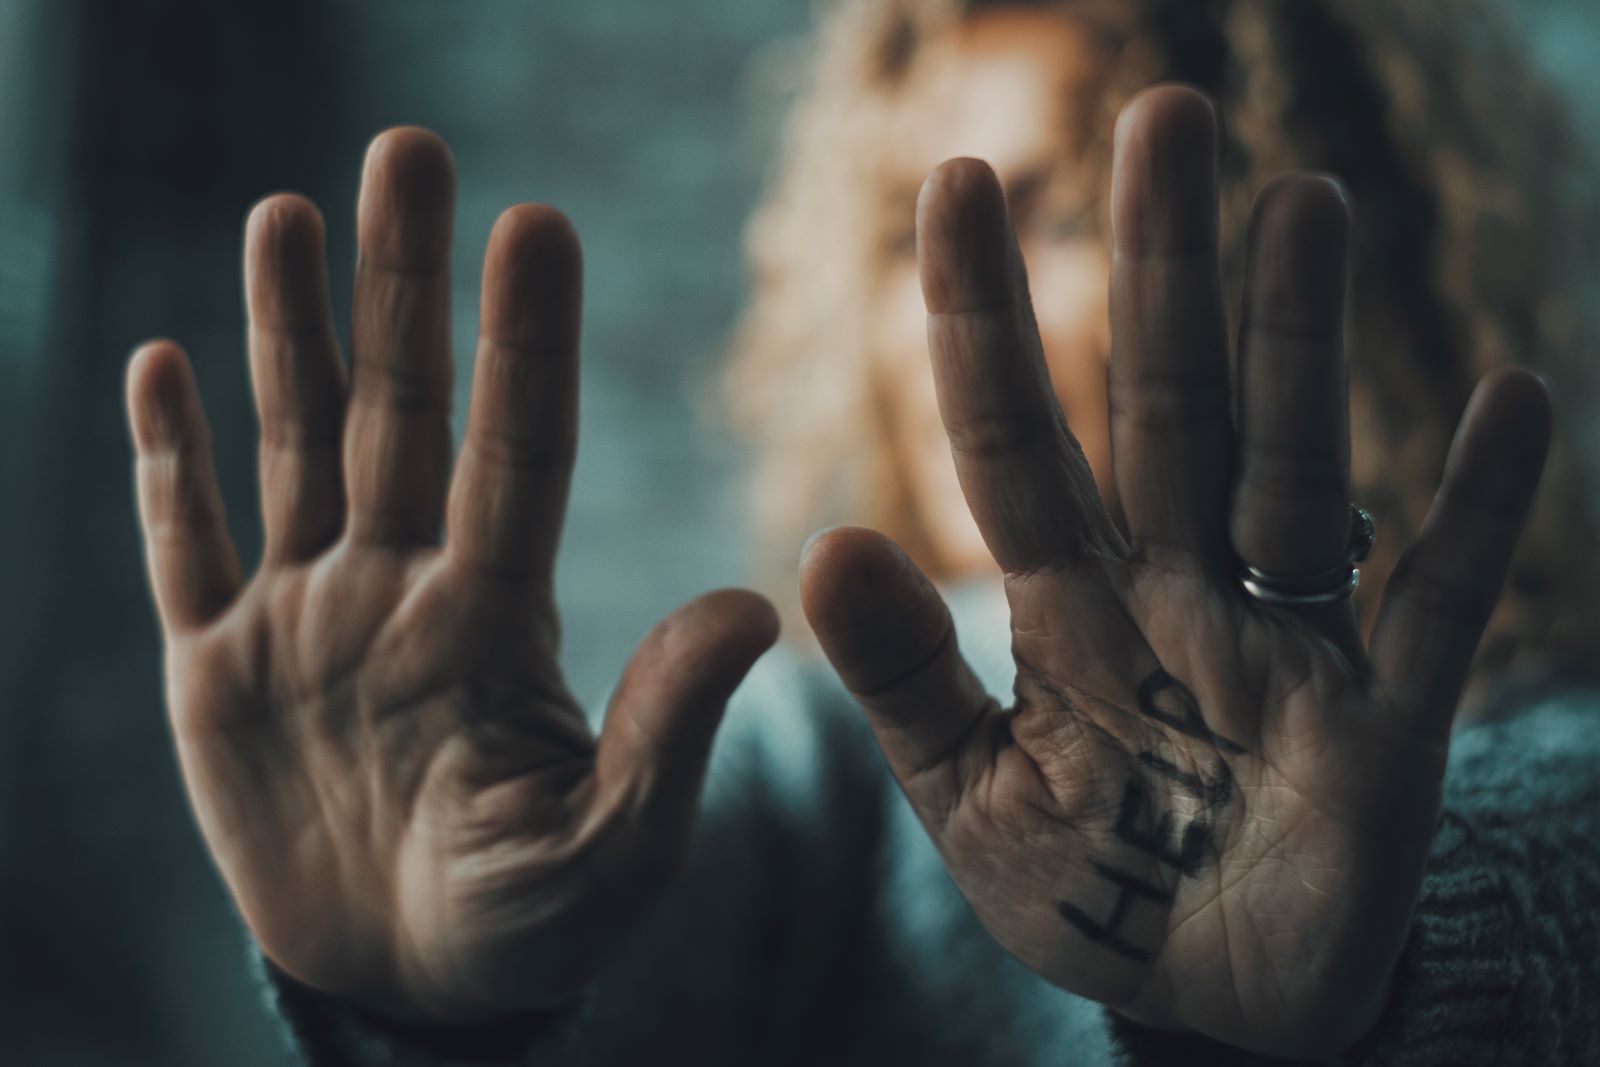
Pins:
x: 406, y: 803
x: 1208, y: 813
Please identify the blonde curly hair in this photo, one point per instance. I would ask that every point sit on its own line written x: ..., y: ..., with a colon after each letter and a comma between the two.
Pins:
x: 1475, y: 241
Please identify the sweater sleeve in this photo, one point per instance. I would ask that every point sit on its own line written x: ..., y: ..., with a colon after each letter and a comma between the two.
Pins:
x: 1503, y: 963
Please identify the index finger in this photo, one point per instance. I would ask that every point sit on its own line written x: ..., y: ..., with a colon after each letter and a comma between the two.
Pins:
x: 1170, y: 398
x: 1022, y: 472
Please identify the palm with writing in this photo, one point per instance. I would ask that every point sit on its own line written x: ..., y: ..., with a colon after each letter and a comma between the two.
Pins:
x: 1208, y: 813
x: 408, y: 806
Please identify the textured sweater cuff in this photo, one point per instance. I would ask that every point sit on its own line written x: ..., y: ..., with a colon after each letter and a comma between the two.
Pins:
x: 325, y: 1031
x: 1464, y: 993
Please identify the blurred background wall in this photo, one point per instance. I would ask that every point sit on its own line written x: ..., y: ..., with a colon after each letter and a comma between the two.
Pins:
x: 133, y: 138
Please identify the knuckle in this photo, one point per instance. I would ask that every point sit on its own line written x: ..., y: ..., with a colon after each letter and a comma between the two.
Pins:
x: 991, y: 436
x: 529, y: 454
x: 1162, y: 403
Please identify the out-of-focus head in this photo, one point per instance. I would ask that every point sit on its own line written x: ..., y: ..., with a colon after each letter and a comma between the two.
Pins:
x: 1473, y: 245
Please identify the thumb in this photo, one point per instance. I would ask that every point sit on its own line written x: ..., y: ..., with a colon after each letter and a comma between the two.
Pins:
x: 661, y: 720
x: 889, y: 636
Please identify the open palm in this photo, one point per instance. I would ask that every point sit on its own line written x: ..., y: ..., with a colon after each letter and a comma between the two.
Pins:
x: 406, y: 803
x: 1209, y: 813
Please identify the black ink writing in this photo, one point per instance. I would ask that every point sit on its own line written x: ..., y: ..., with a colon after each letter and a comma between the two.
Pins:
x: 1184, y: 852
x: 1187, y: 720
x: 1214, y: 792
x: 1143, y: 827
x: 1056, y: 693
x: 1129, y: 889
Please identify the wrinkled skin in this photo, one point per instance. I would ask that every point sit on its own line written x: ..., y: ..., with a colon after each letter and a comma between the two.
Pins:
x: 1210, y: 814
x: 408, y: 807
x: 405, y: 801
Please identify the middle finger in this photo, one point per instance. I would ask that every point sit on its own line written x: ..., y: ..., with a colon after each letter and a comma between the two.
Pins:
x: 1171, y: 406
x: 397, y: 440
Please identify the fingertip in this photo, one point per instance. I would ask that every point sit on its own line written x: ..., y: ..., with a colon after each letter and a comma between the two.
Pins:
x: 405, y: 214
x: 712, y: 641
x: 285, y: 269
x: 681, y: 677
x: 1307, y: 205
x: 811, y: 544
x: 963, y: 238
x: 415, y: 152
x: 155, y: 357
x: 870, y: 606
x: 748, y: 618
x: 846, y: 559
x: 1504, y: 437
x: 1521, y: 392
x: 285, y: 227
x: 160, y: 393
x: 535, y: 226
x: 1298, y: 251
x: 1168, y: 110
x: 1164, y: 183
x: 1514, y: 404
x: 957, y: 183
x: 533, y: 278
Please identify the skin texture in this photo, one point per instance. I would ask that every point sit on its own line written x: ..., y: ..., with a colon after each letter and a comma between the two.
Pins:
x: 409, y: 810
x: 406, y: 803
x: 1209, y: 814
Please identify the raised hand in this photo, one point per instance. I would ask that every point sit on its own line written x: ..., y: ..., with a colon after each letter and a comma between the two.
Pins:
x: 1208, y: 813
x: 406, y: 803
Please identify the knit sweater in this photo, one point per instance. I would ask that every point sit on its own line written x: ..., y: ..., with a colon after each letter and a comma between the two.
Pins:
x: 816, y: 924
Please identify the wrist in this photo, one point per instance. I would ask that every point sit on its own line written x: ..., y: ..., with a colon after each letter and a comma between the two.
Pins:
x: 413, y: 1034
x: 486, y: 1033
x: 1333, y: 1032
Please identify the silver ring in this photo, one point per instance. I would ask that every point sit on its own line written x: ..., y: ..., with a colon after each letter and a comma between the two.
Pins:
x: 1321, y: 587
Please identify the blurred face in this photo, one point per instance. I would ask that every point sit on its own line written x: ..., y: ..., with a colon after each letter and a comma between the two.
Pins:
x: 1020, y: 90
